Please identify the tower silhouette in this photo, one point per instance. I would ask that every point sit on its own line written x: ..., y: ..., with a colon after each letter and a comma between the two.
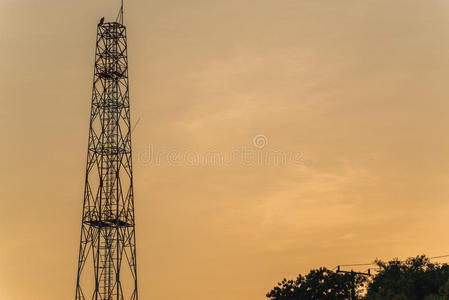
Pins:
x: 108, y: 242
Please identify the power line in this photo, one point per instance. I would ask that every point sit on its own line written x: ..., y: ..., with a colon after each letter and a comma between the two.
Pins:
x: 372, y: 264
x: 355, y: 265
x: 441, y: 256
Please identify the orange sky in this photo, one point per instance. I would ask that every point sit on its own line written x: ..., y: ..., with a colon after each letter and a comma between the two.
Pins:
x: 359, y: 87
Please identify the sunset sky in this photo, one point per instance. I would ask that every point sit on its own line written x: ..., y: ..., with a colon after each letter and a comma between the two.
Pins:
x: 358, y: 88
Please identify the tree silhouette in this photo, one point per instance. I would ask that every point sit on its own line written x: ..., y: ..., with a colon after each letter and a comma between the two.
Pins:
x: 415, y: 278
x: 322, y: 284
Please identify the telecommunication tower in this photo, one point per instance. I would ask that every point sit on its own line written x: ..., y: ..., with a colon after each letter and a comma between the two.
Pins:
x: 108, y: 241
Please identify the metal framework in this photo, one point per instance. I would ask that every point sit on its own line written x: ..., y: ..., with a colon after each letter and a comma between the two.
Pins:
x: 108, y: 242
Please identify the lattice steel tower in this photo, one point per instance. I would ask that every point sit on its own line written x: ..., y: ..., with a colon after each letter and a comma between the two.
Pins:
x: 108, y: 243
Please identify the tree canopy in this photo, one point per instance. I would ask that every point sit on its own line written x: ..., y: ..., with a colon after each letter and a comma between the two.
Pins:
x: 323, y: 284
x: 416, y: 278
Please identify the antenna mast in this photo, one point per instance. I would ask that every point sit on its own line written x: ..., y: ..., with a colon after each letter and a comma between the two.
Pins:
x: 120, y: 14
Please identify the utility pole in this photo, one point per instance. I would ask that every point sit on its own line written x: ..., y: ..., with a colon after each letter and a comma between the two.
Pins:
x: 107, y: 267
x: 353, y: 276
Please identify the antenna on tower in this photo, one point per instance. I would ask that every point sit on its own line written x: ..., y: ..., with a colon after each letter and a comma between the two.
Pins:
x: 120, y: 14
